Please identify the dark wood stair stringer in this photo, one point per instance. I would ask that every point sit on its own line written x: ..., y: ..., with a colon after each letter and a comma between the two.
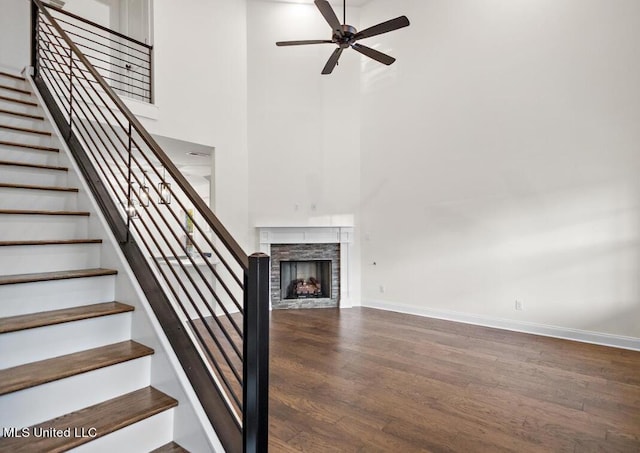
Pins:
x: 64, y: 315
x: 105, y: 418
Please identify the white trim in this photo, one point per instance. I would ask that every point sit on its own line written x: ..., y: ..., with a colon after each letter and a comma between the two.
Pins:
x: 141, y: 108
x: 583, y: 336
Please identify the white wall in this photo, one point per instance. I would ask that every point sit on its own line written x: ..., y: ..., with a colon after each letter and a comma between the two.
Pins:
x: 201, y: 92
x: 500, y: 161
x: 103, y: 12
x: 304, y: 127
x: 15, y: 34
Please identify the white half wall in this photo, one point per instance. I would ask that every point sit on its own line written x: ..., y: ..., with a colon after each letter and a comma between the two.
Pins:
x: 500, y: 162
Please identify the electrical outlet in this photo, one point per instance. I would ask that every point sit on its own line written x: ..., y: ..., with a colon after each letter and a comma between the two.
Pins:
x: 382, y: 289
x: 519, y: 305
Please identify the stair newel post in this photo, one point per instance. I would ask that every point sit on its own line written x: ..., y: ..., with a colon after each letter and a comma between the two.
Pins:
x: 255, y: 411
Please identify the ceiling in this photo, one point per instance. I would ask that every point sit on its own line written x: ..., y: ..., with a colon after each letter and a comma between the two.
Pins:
x: 333, y: 2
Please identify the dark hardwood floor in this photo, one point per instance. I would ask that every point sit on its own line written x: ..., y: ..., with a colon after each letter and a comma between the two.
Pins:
x: 364, y: 380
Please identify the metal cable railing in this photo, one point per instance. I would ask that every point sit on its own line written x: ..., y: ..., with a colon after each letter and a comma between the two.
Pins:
x: 125, y: 63
x: 211, y: 299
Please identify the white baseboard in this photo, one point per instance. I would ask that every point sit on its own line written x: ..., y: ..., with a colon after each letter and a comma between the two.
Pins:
x: 584, y: 336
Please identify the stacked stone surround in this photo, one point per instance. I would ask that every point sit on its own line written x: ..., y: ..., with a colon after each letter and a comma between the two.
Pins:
x: 305, y: 252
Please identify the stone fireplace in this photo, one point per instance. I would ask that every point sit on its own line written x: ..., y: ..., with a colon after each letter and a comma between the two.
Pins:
x: 310, y: 266
x: 305, y: 275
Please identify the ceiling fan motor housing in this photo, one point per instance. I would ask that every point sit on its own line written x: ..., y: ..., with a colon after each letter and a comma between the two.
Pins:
x: 348, y: 33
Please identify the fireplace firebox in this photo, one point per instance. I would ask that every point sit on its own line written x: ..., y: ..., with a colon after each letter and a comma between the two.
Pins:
x: 305, y: 275
x: 305, y: 279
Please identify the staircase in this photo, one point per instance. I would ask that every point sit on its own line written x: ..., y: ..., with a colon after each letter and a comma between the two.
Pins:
x: 70, y: 374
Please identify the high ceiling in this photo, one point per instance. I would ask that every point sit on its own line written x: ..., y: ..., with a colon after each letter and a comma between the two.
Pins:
x: 333, y: 2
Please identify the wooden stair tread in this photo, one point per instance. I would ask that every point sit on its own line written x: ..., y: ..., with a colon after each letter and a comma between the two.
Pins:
x: 24, y: 145
x: 171, y: 447
x: 17, y: 90
x: 37, y: 373
x: 13, y: 76
x: 24, y: 115
x: 38, y: 166
x: 25, y: 130
x: 105, y: 418
x: 57, y: 275
x: 53, y: 317
x: 18, y: 101
x: 51, y: 242
x: 37, y: 212
x: 27, y: 186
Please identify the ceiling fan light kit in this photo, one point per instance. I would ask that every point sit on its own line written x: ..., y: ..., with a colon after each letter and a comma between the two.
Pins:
x: 345, y: 36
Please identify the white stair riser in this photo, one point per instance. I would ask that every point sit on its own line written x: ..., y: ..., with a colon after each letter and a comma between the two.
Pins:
x: 54, y: 295
x: 28, y: 155
x: 21, y: 121
x: 24, y: 259
x: 18, y: 107
x: 14, y: 83
x: 51, y: 341
x: 30, y: 199
x: 15, y: 94
x: 13, y: 174
x: 146, y: 435
x: 44, y: 402
x: 26, y: 138
x: 17, y: 227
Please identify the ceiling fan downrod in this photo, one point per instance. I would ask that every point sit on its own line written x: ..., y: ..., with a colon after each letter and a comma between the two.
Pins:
x: 344, y: 12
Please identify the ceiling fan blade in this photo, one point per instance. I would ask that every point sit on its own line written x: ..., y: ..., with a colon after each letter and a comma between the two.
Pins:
x: 333, y: 61
x: 302, y: 43
x: 372, y: 53
x: 330, y: 16
x: 384, y: 27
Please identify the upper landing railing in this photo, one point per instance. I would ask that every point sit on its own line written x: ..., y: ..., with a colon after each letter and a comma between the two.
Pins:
x: 123, y: 62
x: 210, y: 298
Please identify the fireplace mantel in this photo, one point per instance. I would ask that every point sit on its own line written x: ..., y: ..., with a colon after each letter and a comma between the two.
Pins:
x: 342, y: 235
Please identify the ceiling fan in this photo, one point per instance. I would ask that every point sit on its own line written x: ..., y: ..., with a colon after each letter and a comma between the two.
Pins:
x: 346, y: 36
